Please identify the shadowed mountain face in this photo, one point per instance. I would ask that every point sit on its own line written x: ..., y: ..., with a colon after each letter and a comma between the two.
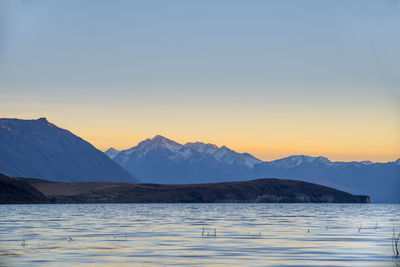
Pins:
x: 160, y: 160
x: 37, y: 148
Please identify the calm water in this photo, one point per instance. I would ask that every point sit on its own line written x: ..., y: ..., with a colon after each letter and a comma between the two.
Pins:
x: 172, y: 234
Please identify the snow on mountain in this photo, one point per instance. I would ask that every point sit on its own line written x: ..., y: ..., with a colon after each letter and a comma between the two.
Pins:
x: 159, y: 141
x: 189, y: 151
x: 224, y: 154
x: 202, y: 147
x: 229, y: 156
x: 161, y: 160
x: 297, y: 160
x: 156, y: 143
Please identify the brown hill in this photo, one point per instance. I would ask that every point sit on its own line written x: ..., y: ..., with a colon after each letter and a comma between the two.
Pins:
x: 256, y: 191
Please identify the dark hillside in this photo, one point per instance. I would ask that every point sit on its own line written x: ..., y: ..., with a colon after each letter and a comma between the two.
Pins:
x: 15, y: 191
x: 256, y: 191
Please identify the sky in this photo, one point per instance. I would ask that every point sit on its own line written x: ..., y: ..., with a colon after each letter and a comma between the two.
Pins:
x: 272, y: 78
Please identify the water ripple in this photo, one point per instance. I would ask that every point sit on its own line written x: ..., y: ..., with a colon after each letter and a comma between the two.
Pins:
x: 198, y: 234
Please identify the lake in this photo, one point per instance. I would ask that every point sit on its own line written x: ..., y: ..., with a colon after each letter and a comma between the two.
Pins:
x: 198, y: 234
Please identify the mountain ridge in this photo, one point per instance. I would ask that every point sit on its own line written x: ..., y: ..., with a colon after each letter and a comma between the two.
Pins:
x: 200, y: 147
x: 40, y: 149
x: 197, y: 162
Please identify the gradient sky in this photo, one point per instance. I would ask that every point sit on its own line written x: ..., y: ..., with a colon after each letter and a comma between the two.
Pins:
x: 272, y: 78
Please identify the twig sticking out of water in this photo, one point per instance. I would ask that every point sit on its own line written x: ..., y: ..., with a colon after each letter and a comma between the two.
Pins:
x: 326, y: 226
x: 308, y: 231
x: 376, y: 226
x: 395, y: 242
x: 23, y: 243
x: 359, y: 228
x: 70, y: 239
x: 210, y: 234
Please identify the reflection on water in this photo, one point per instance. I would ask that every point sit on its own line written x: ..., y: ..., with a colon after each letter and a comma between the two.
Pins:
x: 198, y: 234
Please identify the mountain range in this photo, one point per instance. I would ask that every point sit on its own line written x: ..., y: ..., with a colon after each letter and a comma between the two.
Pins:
x: 161, y: 160
x: 39, y: 149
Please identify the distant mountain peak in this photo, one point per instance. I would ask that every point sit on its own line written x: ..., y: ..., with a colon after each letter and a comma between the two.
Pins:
x: 157, y: 142
x: 159, y: 138
x: 111, y: 152
x: 297, y: 160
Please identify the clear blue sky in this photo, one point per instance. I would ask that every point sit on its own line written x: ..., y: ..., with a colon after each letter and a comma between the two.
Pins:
x: 272, y: 78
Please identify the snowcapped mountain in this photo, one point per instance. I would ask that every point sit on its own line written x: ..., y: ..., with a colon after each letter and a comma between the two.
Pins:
x: 224, y: 154
x: 153, y: 145
x: 157, y: 142
x: 190, y: 150
x: 297, y: 160
x: 161, y: 160
x: 39, y: 149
